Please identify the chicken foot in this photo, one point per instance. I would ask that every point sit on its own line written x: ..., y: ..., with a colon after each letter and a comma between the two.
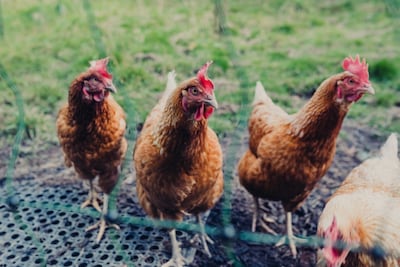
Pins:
x: 91, y: 199
x: 290, y: 238
x: 257, y: 208
x: 177, y: 260
x: 102, y: 224
x: 203, y: 236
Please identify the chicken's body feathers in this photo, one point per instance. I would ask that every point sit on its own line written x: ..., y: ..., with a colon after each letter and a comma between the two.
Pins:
x: 367, y: 209
x: 288, y: 154
x: 178, y: 161
x: 94, y: 142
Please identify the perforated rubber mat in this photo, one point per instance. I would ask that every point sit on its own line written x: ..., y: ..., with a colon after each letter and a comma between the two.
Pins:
x: 48, y: 229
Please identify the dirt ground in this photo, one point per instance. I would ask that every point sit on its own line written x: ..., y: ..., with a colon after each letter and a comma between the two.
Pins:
x: 355, y: 143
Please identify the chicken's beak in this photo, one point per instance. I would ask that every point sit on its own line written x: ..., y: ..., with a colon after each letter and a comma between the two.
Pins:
x: 367, y: 88
x: 211, y: 100
x: 111, y: 87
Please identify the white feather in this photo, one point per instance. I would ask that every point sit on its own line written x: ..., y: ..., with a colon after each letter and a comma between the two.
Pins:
x: 390, y: 148
x: 171, y: 83
x: 374, y: 202
x: 169, y: 88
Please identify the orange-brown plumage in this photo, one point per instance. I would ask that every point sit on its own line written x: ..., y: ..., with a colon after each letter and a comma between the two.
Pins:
x: 178, y: 158
x: 289, y: 154
x: 292, y: 153
x: 91, y: 128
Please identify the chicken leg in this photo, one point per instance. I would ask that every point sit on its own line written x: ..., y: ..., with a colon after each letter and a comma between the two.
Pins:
x: 265, y: 218
x: 177, y: 260
x: 92, y: 198
x: 102, y: 224
x: 203, y: 236
x: 291, y: 239
x: 255, y: 214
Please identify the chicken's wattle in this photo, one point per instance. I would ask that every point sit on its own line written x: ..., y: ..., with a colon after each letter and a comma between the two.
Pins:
x: 199, y: 113
x: 203, y: 112
x: 354, y: 97
x: 97, y: 96
x: 208, y: 111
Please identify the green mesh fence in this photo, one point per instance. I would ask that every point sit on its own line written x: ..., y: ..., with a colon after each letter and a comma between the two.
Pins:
x: 226, y: 232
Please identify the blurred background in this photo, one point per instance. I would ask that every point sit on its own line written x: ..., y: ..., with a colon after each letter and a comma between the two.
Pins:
x: 290, y: 46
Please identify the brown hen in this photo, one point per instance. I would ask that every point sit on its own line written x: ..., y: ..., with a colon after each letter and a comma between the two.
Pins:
x: 91, y: 128
x: 178, y: 158
x: 289, y: 154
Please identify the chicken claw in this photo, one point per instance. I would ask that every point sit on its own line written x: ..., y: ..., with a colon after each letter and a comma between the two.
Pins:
x: 91, y: 199
x: 203, y: 236
x: 93, y: 202
x: 290, y: 238
x: 177, y: 260
x: 264, y: 218
x: 267, y: 228
x: 102, y: 225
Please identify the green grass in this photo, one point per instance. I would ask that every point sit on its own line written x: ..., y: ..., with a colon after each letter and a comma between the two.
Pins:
x: 291, y: 46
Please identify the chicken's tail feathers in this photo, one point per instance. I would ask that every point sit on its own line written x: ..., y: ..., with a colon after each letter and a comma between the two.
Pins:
x: 390, y: 148
x: 260, y: 95
x: 171, y: 83
x: 169, y: 88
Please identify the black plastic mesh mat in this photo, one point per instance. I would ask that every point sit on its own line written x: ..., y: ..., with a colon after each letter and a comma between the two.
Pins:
x: 48, y: 229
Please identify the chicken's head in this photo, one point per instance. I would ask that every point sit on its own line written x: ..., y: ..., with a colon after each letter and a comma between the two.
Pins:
x: 336, y: 246
x: 198, y: 99
x: 97, y: 84
x: 355, y: 81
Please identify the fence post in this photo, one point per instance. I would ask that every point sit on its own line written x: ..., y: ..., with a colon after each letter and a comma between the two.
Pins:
x: 219, y: 13
x: 1, y: 22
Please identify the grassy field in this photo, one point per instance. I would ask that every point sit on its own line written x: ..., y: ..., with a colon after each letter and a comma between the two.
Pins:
x: 291, y: 46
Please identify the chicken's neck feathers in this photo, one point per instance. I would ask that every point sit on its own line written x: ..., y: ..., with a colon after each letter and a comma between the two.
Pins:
x: 322, y: 116
x: 175, y: 131
x: 85, y: 114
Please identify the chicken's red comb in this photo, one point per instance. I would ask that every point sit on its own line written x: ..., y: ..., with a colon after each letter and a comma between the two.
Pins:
x: 203, y: 79
x: 100, y: 66
x: 332, y: 255
x: 357, y: 67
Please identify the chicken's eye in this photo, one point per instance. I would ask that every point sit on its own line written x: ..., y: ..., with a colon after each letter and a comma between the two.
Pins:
x: 94, y: 79
x: 351, y: 81
x: 194, y: 91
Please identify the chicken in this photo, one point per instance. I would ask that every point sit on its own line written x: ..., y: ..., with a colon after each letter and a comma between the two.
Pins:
x: 91, y: 128
x: 288, y: 154
x: 178, y: 158
x: 364, y: 214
